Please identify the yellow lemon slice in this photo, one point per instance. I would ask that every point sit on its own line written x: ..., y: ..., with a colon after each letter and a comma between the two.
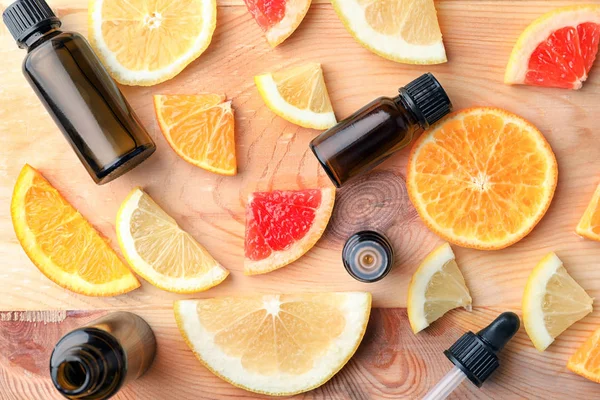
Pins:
x: 143, y: 42
x: 436, y: 287
x: 405, y: 31
x: 298, y: 95
x: 275, y: 344
x: 160, y: 251
x: 552, y: 302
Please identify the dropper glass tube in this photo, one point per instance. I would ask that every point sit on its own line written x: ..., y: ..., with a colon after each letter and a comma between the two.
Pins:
x: 446, y: 385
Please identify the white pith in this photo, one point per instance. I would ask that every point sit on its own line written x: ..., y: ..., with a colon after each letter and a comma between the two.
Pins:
x: 208, y: 279
x: 231, y: 368
x: 539, y: 31
x: 388, y: 46
x: 209, y: 11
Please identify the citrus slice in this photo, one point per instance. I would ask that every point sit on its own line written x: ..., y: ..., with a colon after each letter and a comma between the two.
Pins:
x: 405, y: 31
x: 482, y: 178
x: 200, y: 128
x: 436, y: 287
x: 589, y: 224
x: 556, y: 50
x: 552, y: 302
x: 298, y: 95
x: 160, y: 251
x: 283, y: 225
x: 62, y: 244
x: 278, y: 18
x: 275, y: 344
x: 148, y: 42
x: 586, y: 360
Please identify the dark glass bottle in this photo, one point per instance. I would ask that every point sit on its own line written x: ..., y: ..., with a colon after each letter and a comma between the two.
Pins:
x: 95, y: 361
x: 372, y: 134
x: 368, y: 256
x: 78, y: 92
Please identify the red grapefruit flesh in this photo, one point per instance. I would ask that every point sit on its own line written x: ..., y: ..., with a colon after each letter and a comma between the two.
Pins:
x: 278, y: 18
x: 283, y: 225
x: 556, y: 50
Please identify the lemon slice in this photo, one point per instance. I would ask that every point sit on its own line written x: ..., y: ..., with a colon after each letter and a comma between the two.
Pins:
x: 275, y: 344
x: 552, y: 302
x: 436, y: 288
x: 298, y: 95
x: 148, y: 42
x: 160, y: 251
x: 405, y: 31
x: 589, y: 224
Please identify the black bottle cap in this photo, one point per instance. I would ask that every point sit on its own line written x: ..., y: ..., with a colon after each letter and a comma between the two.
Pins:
x: 368, y: 256
x: 427, y: 99
x: 475, y: 354
x: 25, y: 17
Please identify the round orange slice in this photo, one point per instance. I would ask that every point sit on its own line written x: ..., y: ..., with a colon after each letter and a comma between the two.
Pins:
x: 200, y: 128
x: 482, y: 178
x: 62, y: 244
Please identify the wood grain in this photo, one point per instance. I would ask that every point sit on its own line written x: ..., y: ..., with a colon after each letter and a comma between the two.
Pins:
x: 391, y: 362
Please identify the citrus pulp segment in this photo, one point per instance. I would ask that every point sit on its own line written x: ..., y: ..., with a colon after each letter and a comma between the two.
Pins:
x: 160, y: 251
x: 589, y: 224
x: 298, y: 95
x: 482, y: 178
x: 278, y: 18
x: 278, y: 344
x: 200, y: 128
x: 399, y: 30
x: 556, y: 50
x: 283, y: 225
x: 436, y: 287
x: 586, y: 360
x: 145, y: 42
x: 62, y: 244
x: 552, y: 302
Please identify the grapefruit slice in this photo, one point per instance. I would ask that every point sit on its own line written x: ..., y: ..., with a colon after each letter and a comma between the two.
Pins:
x: 278, y: 18
x: 275, y: 344
x: 283, y: 225
x: 556, y: 50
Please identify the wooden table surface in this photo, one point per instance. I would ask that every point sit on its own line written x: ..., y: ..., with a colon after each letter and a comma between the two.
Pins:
x: 392, y: 362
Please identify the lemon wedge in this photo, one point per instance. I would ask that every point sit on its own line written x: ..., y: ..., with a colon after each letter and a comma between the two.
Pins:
x: 552, y: 302
x: 405, y: 31
x: 437, y: 287
x: 298, y: 95
x: 275, y: 344
x: 160, y: 251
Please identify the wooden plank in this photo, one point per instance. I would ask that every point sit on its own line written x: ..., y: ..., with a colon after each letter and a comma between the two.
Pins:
x: 391, y: 362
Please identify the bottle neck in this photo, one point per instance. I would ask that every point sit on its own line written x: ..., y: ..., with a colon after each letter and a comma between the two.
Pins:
x: 80, y: 372
x: 38, y: 37
x: 405, y: 102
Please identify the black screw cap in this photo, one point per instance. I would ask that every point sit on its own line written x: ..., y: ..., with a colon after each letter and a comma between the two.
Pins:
x: 26, y: 17
x: 427, y: 99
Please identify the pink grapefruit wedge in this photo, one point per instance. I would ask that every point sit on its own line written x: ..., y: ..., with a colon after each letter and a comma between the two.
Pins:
x: 556, y: 50
x: 283, y: 225
x: 278, y: 18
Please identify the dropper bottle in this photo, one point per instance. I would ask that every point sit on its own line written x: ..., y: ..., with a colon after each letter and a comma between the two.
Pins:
x: 369, y: 136
x: 475, y: 355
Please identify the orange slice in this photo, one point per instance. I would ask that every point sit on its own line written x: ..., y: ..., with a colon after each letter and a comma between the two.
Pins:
x: 278, y: 18
x: 283, y: 225
x: 589, y: 225
x: 586, y: 360
x: 200, y: 128
x: 482, y: 178
x: 144, y: 42
x: 62, y: 244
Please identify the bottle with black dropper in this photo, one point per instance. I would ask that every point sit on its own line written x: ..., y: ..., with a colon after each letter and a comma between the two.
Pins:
x: 372, y: 134
x: 93, y: 362
x: 78, y: 92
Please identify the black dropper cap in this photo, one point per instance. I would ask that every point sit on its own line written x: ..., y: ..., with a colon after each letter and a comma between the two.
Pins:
x: 26, y: 17
x: 427, y: 99
x: 476, y: 354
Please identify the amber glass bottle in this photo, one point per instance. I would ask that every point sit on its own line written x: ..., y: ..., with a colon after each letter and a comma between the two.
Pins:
x: 369, y: 136
x: 95, y: 361
x: 78, y: 92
